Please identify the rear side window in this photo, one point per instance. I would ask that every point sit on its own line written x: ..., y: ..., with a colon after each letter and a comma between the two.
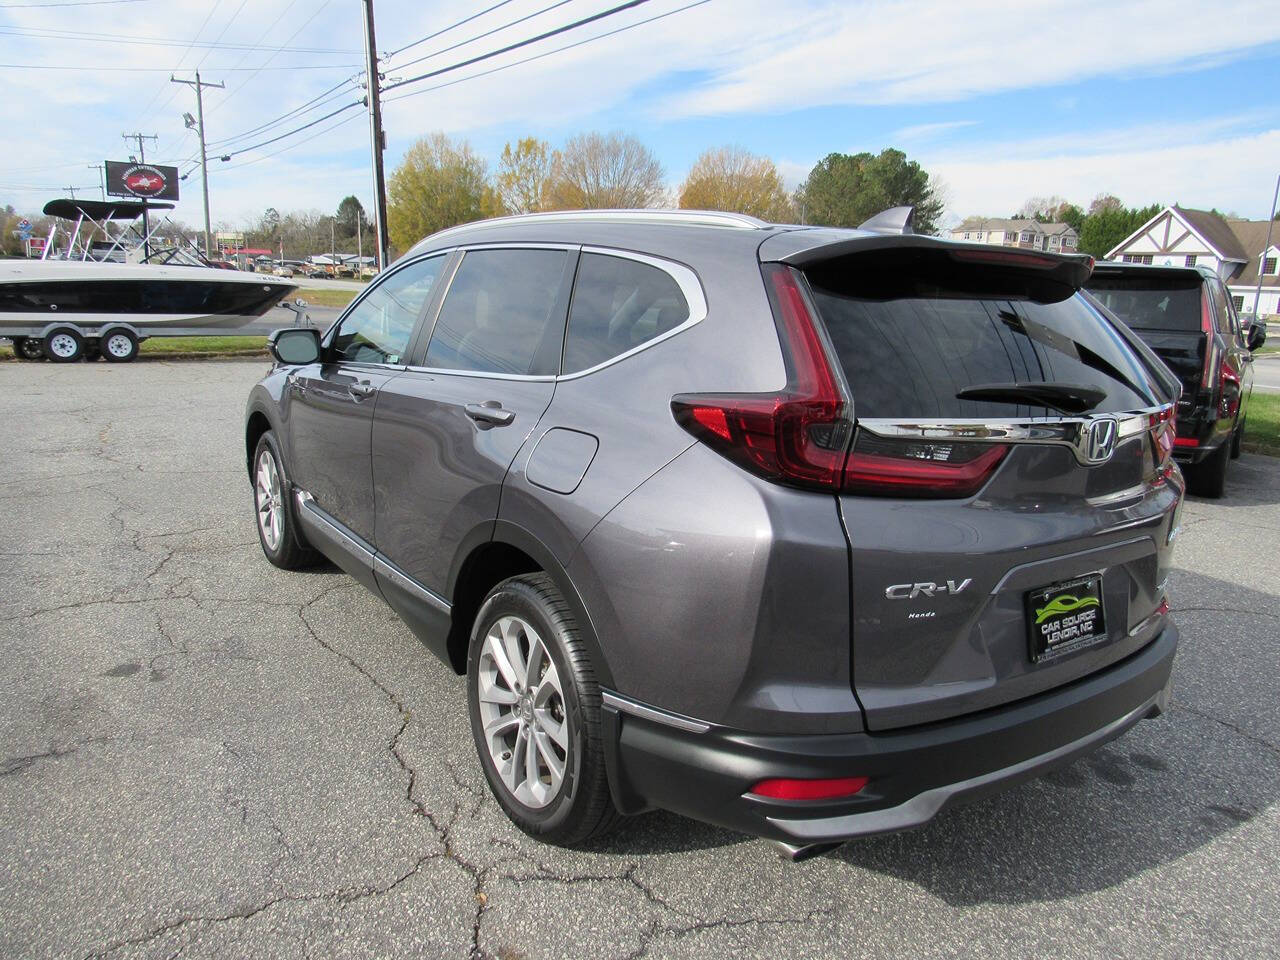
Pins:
x: 378, y: 328
x: 500, y: 314
x: 909, y: 349
x: 1155, y: 302
x: 618, y: 304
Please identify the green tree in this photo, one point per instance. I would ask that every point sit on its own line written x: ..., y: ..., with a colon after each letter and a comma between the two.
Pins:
x: 1106, y: 227
x: 843, y: 190
x: 595, y: 171
x: 522, y: 174
x: 350, y: 214
x: 440, y: 183
x: 734, y: 180
x: 1072, y: 216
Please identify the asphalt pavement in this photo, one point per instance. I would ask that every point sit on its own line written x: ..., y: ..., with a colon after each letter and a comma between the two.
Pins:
x: 1266, y: 372
x: 204, y: 756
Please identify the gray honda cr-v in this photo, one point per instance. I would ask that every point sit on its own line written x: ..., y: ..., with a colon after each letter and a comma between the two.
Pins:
x: 802, y: 531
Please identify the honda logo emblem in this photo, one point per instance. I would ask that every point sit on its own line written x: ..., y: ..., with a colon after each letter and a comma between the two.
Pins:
x: 1098, y: 441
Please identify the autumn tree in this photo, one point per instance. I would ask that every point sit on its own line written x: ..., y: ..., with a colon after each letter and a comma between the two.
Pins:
x: 522, y: 174
x: 734, y: 180
x: 440, y: 183
x: 843, y: 190
x: 1103, y: 202
x: 596, y: 171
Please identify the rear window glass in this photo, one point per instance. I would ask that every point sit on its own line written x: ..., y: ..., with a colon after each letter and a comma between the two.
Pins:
x: 618, y: 304
x: 1150, y: 303
x: 908, y: 356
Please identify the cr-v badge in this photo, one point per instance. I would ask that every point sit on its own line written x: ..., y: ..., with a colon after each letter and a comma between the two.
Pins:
x: 909, y: 591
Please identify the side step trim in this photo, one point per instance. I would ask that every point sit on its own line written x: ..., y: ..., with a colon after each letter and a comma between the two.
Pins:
x: 384, y: 568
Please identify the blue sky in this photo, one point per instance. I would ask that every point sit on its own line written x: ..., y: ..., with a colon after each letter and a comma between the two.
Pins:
x: 1153, y: 101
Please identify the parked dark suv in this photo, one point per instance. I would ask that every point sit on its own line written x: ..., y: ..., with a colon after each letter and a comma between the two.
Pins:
x: 805, y: 532
x: 1186, y: 315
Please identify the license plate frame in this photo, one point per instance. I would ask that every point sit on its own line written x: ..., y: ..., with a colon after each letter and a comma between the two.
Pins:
x: 1066, y: 617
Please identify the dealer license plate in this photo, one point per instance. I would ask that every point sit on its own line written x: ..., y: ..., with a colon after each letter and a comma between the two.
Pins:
x: 1066, y: 617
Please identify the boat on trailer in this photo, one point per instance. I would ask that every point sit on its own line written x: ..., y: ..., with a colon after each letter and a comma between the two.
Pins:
x: 107, y: 290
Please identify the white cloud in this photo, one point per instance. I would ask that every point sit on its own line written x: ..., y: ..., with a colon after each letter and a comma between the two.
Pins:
x: 926, y: 51
x: 1235, y: 173
x: 929, y: 131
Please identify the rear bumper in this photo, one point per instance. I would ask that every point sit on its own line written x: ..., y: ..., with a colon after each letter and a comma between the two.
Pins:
x: 701, y: 771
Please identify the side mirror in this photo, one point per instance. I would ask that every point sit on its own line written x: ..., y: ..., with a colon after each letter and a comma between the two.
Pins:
x: 295, y: 345
x: 1257, y: 335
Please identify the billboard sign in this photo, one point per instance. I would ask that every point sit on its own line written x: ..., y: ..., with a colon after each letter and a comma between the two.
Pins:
x: 143, y: 180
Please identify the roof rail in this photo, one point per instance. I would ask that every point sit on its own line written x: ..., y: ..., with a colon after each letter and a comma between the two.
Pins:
x: 701, y: 218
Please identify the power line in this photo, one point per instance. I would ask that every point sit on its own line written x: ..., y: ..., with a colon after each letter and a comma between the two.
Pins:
x: 69, y: 3
x: 548, y: 53
x: 481, y: 36
x: 452, y: 26
x: 117, y: 39
x: 305, y: 23
x: 236, y: 166
x: 521, y: 43
x: 181, y: 60
x: 324, y: 97
x: 303, y: 66
x: 305, y: 126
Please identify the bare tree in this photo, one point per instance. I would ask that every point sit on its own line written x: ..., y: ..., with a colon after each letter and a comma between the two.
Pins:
x: 522, y: 174
x: 735, y: 180
x: 600, y: 171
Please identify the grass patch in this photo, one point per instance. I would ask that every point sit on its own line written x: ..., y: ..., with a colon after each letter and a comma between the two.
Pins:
x: 1262, y: 429
x: 319, y: 297
x: 198, y: 346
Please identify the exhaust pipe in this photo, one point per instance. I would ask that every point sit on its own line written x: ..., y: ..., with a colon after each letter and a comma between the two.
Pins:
x: 796, y: 852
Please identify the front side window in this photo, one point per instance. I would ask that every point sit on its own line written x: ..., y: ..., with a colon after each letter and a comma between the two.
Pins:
x: 500, y: 315
x: 378, y: 328
x: 618, y: 304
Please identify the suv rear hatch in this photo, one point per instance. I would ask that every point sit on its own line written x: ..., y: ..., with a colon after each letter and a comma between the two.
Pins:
x: 1169, y: 310
x: 986, y: 568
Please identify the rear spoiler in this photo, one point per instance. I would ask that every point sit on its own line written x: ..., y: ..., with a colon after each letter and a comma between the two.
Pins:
x: 1008, y: 271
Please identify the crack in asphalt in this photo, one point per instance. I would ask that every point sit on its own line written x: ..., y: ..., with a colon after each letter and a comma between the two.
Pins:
x: 1232, y: 726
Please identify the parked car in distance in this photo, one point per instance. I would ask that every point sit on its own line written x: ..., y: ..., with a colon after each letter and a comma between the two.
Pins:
x: 805, y: 532
x: 1186, y: 316
x: 283, y: 270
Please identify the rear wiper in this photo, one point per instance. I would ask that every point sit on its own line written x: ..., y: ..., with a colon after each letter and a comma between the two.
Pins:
x: 1066, y: 397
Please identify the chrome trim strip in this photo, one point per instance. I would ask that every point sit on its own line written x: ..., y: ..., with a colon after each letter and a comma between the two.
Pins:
x: 1128, y: 493
x: 925, y: 806
x: 645, y: 712
x: 323, y: 524
x: 385, y: 568
x: 1063, y: 431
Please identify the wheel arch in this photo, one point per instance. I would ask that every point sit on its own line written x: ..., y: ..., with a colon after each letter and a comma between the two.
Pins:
x: 256, y: 424
x: 492, y: 555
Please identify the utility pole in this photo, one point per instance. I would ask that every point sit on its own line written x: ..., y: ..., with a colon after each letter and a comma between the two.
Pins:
x: 377, y: 140
x: 359, y: 248
x: 1257, y: 294
x: 142, y: 158
x: 333, y: 248
x: 71, y: 190
x: 204, y: 159
x: 102, y: 177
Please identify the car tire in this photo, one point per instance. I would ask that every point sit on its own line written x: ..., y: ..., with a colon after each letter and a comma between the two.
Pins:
x: 119, y: 346
x: 28, y: 348
x: 1236, y: 438
x: 526, y: 620
x: 63, y: 345
x: 274, y: 518
x: 1208, y: 478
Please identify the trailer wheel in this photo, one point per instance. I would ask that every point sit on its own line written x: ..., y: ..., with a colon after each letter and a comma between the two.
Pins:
x: 63, y: 345
x: 119, y: 346
x: 28, y: 348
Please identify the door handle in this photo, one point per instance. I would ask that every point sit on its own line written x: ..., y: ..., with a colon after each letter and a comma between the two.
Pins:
x: 490, y: 413
x: 361, y: 390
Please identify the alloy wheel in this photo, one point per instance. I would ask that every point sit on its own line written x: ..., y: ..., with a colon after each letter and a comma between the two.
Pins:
x: 522, y: 708
x: 270, y: 502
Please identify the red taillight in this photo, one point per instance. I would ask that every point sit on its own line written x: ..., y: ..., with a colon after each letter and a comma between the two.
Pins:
x: 797, y: 436
x: 911, y: 469
x: 1230, y: 383
x: 1184, y: 441
x: 789, y: 789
